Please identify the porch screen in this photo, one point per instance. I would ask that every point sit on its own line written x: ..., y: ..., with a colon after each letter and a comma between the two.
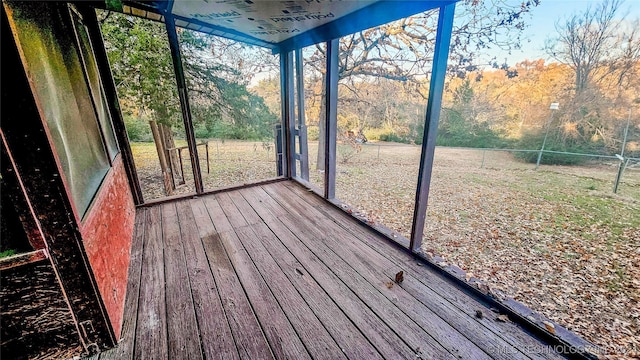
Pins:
x: 45, y: 36
x: 97, y: 92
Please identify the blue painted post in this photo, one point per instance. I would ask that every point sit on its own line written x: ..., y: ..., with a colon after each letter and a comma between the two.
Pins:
x: 302, y: 127
x: 434, y: 103
x: 288, y: 121
x: 331, y: 103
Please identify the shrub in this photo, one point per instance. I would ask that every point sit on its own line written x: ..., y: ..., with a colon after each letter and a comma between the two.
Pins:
x: 313, y: 133
x: 201, y: 131
x: 393, y: 137
x: 138, y: 129
x: 534, y: 141
x: 346, y: 152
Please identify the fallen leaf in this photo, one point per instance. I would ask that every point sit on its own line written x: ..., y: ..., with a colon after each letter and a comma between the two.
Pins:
x: 399, y: 277
x: 479, y: 314
x: 550, y: 327
x: 503, y: 318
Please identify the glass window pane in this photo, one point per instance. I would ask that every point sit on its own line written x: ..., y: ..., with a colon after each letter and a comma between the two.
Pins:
x: 54, y: 68
x: 97, y: 92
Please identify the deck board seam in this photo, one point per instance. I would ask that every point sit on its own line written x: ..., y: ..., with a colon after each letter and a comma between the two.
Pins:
x: 193, y: 306
x: 224, y: 309
x: 139, y: 280
x: 271, y: 291
x: 242, y: 286
x: 374, y: 311
x: 164, y: 274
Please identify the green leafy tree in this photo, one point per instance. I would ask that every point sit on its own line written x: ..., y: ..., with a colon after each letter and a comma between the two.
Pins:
x: 217, y: 73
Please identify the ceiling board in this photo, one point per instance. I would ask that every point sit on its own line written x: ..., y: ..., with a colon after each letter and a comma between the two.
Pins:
x: 272, y: 21
x: 282, y: 25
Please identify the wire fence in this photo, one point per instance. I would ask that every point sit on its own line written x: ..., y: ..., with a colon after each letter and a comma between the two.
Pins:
x: 609, y: 168
x: 618, y: 174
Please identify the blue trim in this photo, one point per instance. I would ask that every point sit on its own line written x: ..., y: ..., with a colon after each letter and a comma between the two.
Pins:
x: 331, y: 119
x: 434, y: 103
x: 283, y: 116
x: 290, y: 121
x: 376, y: 14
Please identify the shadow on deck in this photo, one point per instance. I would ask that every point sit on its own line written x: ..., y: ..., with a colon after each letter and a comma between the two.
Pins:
x: 272, y: 271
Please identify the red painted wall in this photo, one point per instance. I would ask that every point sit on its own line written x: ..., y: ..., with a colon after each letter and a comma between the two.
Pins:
x: 107, y: 231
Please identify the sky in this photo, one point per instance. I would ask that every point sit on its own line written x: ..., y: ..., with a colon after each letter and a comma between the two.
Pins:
x: 542, y: 25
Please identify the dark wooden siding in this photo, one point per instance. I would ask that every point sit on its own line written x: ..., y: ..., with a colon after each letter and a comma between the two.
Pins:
x: 34, y: 317
x: 26, y: 135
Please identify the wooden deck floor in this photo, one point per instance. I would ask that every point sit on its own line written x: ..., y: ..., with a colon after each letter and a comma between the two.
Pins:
x: 272, y: 271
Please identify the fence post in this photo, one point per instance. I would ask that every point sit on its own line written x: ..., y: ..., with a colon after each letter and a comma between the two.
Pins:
x: 554, y: 106
x: 621, y: 167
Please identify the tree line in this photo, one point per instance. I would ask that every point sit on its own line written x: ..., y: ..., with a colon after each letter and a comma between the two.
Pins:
x: 594, y: 75
x: 384, y: 75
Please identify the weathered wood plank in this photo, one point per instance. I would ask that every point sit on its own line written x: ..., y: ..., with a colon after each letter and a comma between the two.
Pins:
x: 425, y: 281
x: 267, y: 200
x: 448, y: 335
x: 151, y: 328
x: 215, y: 333
x: 124, y: 349
x: 425, y: 343
x: 289, y: 252
x: 249, y: 338
x: 439, y: 333
x: 247, y: 212
x: 288, y: 203
x: 220, y: 221
x: 324, y: 328
x: 264, y: 210
x: 379, y: 271
x: 230, y: 210
x: 181, y: 318
x: 274, y: 322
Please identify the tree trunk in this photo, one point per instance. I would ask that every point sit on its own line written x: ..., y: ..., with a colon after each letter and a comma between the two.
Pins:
x: 167, y: 178
x: 172, y: 156
x: 322, y: 120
